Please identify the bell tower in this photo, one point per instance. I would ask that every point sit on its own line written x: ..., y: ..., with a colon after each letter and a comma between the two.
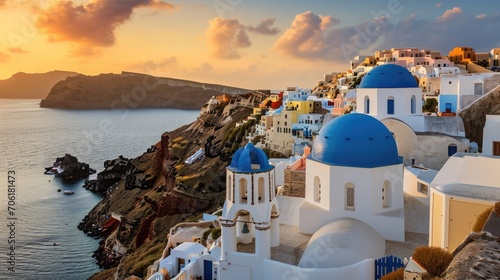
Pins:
x: 250, y: 215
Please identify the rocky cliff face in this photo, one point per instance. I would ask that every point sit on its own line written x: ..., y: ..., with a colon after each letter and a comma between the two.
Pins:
x: 130, y: 90
x: 180, y: 191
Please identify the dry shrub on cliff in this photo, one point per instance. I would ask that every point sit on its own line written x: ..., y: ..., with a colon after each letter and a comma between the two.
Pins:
x: 178, y: 150
x: 481, y: 220
x: 434, y: 259
x: 398, y: 274
x: 141, y: 267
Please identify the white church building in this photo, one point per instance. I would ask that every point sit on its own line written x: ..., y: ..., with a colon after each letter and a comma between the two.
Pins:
x: 391, y: 94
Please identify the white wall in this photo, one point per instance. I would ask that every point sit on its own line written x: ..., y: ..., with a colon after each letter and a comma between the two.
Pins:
x: 280, y: 271
x: 378, y: 101
x: 289, y: 209
x: 369, y: 208
x: 491, y: 133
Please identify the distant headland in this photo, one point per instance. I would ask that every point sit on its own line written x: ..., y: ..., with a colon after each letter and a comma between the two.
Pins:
x: 132, y: 90
x: 31, y: 85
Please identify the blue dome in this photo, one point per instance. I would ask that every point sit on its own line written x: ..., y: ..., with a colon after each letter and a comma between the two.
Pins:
x: 355, y: 140
x: 388, y: 76
x: 249, y: 160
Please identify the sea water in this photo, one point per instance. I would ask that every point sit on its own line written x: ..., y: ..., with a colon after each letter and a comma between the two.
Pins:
x: 31, y: 138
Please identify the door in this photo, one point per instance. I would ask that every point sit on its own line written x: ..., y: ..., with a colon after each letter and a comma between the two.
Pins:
x: 390, y: 106
x: 207, y: 270
x: 496, y: 148
x: 448, y: 107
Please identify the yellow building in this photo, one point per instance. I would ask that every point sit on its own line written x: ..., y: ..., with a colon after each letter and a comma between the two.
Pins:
x: 467, y: 185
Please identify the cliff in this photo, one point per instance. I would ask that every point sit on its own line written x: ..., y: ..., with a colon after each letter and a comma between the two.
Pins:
x: 35, y: 86
x: 176, y: 192
x: 132, y: 90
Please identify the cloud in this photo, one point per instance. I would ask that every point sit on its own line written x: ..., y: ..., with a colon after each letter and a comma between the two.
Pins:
x: 481, y: 16
x: 17, y: 50
x: 226, y: 37
x: 265, y: 27
x: 312, y: 36
x: 412, y: 32
x: 154, y: 67
x: 4, y: 57
x: 438, y: 5
x: 89, y: 26
x: 449, y: 14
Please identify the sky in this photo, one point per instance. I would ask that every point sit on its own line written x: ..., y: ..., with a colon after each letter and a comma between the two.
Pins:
x: 252, y: 44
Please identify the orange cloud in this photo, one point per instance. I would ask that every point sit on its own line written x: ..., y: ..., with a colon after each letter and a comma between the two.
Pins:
x: 265, y: 27
x: 17, y: 50
x: 4, y: 57
x: 225, y: 37
x: 449, y: 14
x: 92, y: 25
x: 480, y: 16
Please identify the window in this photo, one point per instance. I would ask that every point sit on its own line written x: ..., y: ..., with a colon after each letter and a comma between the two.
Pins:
x: 390, y: 105
x: 243, y: 191
x: 452, y: 149
x: 413, y: 104
x: 367, y: 105
x: 230, y: 190
x: 422, y: 188
x: 261, y: 190
x: 349, y: 196
x: 496, y: 148
x: 317, y: 190
x: 449, y: 82
x: 386, y: 194
x: 478, y: 89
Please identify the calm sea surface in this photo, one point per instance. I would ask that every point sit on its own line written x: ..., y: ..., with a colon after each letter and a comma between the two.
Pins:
x: 30, y: 139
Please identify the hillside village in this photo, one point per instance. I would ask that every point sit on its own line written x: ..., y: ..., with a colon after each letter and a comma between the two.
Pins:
x: 388, y: 156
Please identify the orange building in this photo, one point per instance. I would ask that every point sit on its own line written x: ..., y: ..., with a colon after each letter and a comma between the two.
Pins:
x: 462, y: 54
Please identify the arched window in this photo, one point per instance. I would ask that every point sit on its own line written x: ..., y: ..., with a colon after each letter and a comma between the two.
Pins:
x: 390, y: 105
x: 272, y: 188
x: 413, y: 104
x: 317, y: 190
x: 349, y: 197
x: 261, y: 191
x: 243, y: 191
x: 367, y: 105
x: 386, y: 194
x: 230, y: 188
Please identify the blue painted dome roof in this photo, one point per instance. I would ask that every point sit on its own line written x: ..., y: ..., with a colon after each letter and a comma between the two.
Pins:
x: 355, y: 140
x: 250, y: 159
x: 388, y: 76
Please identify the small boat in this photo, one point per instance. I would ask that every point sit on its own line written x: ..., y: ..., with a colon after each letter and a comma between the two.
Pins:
x: 68, y: 192
x: 50, y: 171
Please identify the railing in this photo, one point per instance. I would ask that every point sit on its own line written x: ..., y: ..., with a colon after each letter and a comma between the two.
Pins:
x: 387, y: 265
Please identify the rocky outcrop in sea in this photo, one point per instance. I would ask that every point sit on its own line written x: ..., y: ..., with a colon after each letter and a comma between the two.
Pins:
x: 68, y: 168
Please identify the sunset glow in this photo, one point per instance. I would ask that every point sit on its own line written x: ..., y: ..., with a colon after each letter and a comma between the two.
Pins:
x: 253, y: 44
